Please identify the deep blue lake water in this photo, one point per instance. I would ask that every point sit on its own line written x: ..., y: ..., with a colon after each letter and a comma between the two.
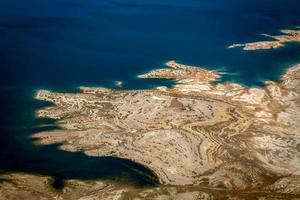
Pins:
x: 63, y: 44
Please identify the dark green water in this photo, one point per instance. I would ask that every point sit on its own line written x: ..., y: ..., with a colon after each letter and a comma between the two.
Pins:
x: 63, y: 44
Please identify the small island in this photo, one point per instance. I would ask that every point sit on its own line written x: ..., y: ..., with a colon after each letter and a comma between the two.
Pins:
x: 279, y: 41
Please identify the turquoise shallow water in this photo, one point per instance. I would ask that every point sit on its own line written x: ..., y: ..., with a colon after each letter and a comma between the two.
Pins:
x: 63, y: 44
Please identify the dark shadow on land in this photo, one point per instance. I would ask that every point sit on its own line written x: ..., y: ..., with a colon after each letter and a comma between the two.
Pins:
x: 19, y: 154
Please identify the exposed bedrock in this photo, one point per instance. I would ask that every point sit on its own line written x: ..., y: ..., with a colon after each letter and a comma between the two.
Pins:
x: 195, y: 133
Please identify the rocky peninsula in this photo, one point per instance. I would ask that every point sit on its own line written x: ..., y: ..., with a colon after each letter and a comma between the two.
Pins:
x: 196, y: 134
x: 278, y: 41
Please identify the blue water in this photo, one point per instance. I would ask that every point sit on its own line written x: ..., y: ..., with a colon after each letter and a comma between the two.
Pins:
x: 63, y: 44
